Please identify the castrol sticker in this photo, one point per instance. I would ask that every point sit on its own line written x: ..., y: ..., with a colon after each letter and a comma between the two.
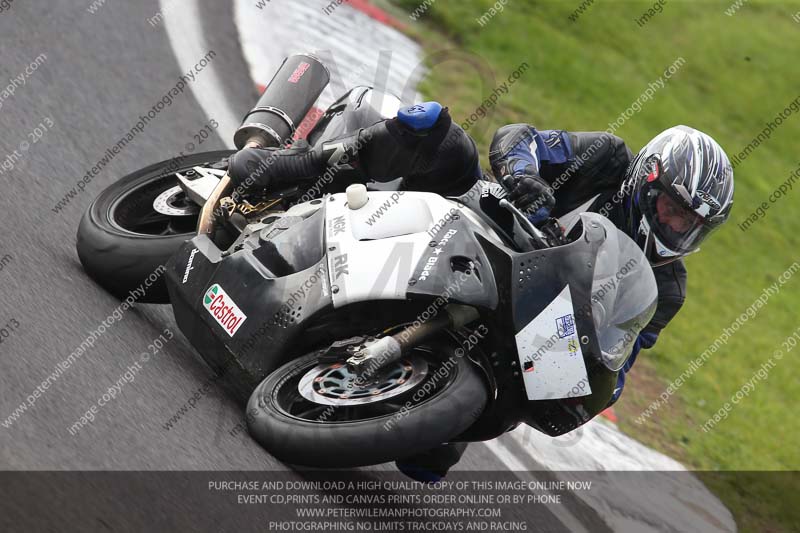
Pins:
x: 223, y: 309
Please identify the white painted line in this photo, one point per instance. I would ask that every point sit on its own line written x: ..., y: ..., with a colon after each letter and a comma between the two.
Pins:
x: 356, y: 48
x: 185, y: 33
x: 668, y: 494
x: 511, y: 462
x: 596, y: 446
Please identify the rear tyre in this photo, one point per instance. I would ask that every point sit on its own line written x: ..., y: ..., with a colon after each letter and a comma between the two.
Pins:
x: 428, y: 398
x: 123, y: 240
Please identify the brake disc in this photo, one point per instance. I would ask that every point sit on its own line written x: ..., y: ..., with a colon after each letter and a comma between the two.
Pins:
x: 335, y: 384
x: 173, y: 202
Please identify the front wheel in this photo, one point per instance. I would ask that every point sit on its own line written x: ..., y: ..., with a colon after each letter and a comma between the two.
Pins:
x: 135, y: 225
x: 322, y: 415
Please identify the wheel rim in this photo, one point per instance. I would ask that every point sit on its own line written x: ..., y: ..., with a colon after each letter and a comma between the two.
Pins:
x: 157, y: 207
x: 335, y: 384
x: 299, y: 395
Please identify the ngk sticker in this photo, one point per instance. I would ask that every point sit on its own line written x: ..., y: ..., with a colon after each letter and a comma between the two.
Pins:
x: 223, y: 309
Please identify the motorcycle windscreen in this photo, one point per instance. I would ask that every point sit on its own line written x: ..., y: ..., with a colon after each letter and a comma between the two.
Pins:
x: 624, y: 297
x: 581, y: 307
x: 555, y: 294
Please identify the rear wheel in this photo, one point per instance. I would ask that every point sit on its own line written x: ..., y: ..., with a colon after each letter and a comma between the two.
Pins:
x: 321, y: 415
x: 135, y: 225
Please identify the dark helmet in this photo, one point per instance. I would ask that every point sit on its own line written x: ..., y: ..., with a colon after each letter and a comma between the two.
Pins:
x: 681, y: 190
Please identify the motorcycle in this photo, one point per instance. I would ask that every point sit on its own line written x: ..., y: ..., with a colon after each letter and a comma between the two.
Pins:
x: 371, y: 324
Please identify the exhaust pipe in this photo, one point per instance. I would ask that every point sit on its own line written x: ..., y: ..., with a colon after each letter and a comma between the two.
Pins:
x: 285, y: 103
x: 389, y: 349
x: 273, y: 121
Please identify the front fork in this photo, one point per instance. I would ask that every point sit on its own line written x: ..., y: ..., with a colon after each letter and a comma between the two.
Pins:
x: 374, y: 354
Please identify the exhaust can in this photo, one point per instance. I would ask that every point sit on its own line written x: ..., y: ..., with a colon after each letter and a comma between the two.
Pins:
x: 288, y: 98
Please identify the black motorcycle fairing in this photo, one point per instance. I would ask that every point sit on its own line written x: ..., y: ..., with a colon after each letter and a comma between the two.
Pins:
x: 570, y: 265
x: 526, y: 284
x: 458, y: 269
x: 277, y: 308
x: 290, y: 244
x: 483, y: 198
x: 352, y: 111
x: 507, y: 402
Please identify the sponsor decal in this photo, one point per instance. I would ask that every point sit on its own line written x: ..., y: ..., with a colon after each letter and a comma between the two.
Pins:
x: 431, y: 262
x: 710, y: 200
x: 662, y: 250
x: 447, y: 236
x: 655, y: 171
x: 338, y: 155
x: 493, y: 189
x: 557, y: 360
x: 428, y: 268
x: 298, y: 72
x: 553, y: 140
x: 339, y: 266
x: 572, y: 346
x: 338, y: 225
x: 565, y: 325
x: 223, y: 309
x: 189, y: 266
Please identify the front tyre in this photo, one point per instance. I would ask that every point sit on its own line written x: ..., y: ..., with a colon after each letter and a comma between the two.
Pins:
x: 321, y: 415
x: 123, y: 239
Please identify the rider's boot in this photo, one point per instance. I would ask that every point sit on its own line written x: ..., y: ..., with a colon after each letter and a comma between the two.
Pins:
x: 433, y: 465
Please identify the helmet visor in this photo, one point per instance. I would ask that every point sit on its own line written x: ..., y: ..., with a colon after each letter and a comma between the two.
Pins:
x: 677, y: 227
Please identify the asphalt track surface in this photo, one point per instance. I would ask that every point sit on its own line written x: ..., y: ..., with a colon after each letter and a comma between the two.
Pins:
x: 102, y: 71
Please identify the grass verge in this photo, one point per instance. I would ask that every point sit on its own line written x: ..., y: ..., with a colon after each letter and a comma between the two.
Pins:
x: 738, y: 72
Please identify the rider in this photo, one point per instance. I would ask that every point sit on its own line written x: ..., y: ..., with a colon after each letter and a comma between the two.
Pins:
x: 675, y: 192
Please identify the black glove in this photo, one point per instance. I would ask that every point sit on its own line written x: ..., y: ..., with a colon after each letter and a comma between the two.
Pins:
x: 258, y: 168
x: 530, y: 194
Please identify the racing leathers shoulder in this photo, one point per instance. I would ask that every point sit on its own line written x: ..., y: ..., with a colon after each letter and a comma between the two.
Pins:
x: 577, y: 165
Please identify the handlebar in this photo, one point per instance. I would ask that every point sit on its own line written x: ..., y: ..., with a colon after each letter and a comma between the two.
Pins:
x: 539, y: 239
